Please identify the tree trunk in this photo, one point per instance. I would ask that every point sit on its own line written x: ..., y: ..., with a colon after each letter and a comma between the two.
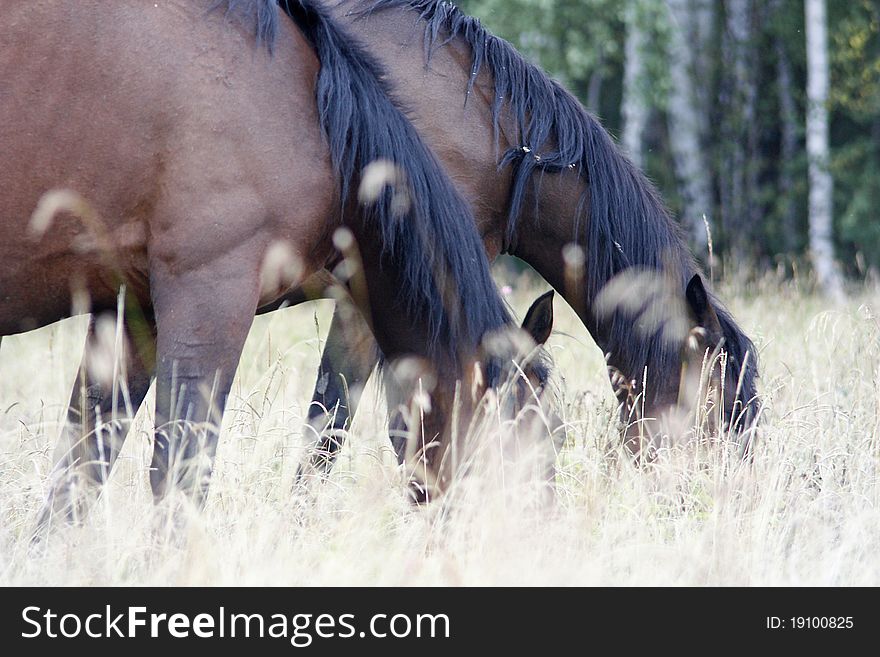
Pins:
x: 686, y: 118
x: 821, y: 184
x: 788, y: 146
x: 634, y: 109
x: 703, y: 38
x: 738, y: 100
x: 594, y: 88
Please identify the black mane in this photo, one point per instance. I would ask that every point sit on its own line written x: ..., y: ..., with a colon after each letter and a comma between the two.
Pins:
x: 627, y: 226
x: 435, y: 243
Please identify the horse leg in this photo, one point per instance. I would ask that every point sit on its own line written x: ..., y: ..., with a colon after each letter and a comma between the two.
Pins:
x: 203, y: 317
x: 350, y: 354
x: 100, y: 411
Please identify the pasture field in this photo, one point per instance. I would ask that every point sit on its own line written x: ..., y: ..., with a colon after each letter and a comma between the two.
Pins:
x: 806, y: 511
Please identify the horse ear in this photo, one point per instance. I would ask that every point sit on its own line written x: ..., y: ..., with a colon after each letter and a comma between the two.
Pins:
x: 539, y: 319
x: 700, y: 306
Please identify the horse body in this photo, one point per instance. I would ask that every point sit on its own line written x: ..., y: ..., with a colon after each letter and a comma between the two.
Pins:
x: 82, y: 79
x: 551, y: 213
x: 187, y: 144
x: 541, y: 174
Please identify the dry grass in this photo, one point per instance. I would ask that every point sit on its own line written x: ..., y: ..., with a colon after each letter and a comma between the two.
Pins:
x: 806, y: 512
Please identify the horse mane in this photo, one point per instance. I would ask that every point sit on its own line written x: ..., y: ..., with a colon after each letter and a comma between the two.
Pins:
x: 628, y: 224
x: 434, y: 243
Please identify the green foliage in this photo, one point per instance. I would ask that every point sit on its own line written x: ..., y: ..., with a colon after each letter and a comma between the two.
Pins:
x: 855, y: 105
x: 855, y: 57
x: 579, y: 42
x: 857, y: 167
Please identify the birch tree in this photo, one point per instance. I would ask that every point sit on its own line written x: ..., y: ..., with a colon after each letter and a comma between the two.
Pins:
x: 821, y: 184
x: 634, y: 110
x: 738, y: 102
x: 686, y: 117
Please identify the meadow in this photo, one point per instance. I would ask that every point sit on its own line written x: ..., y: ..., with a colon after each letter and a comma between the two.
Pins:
x: 805, y: 511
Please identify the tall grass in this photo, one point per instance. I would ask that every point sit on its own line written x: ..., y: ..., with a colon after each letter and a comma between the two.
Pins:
x: 806, y: 511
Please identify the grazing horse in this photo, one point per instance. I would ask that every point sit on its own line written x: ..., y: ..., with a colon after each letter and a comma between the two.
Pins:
x: 205, y: 156
x: 549, y: 186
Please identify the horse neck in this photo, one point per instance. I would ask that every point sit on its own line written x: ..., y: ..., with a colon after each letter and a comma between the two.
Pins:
x: 548, y: 233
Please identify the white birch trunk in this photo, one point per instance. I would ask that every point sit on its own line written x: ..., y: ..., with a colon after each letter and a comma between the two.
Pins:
x: 634, y: 109
x: 739, y: 168
x: 821, y: 184
x: 686, y: 119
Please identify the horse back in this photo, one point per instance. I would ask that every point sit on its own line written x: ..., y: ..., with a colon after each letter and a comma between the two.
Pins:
x: 181, y: 134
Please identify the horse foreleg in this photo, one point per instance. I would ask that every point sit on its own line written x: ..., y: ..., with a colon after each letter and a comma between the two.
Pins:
x: 203, y: 317
x: 113, y: 379
x: 350, y: 354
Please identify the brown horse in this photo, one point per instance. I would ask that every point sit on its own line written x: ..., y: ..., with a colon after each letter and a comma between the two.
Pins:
x: 550, y: 187
x: 206, y: 166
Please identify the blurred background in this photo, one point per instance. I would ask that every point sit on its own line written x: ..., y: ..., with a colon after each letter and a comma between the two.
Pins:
x: 761, y: 115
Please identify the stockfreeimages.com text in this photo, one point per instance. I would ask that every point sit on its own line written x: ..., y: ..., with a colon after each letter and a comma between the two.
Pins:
x: 299, y: 629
